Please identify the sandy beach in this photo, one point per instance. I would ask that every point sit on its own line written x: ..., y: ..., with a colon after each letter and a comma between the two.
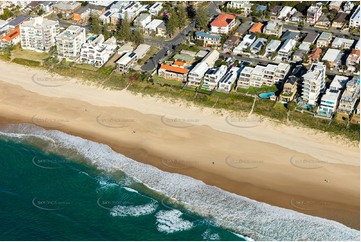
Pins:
x: 282, y: 165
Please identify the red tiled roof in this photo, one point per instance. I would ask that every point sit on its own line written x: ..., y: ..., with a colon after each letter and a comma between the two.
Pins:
x: 222, y: 20
x: 179, y: 63
x: 174, y: 69
x: 316, y: 53
x: 355, y: 52
x: 256, y: 28
x: 12, y: 34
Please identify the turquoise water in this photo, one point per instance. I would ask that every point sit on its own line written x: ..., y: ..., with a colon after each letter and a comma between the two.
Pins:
x: 266, y: 95
x: 49, y: 197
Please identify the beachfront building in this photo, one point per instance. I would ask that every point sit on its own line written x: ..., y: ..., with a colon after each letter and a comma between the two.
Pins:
x: 126, y: 62
x: 69, y: 42
x: 223, y: 24
x: 141, y: 51
x: 228, y: 81
x: 273, y: 28
x: 38, y: 34
x: 96, y: 51
x: 324, y: 40
x: 213, y: 76
x: 330, y: 100
x: 207, y: 39
x: 355, y: 18
x: 286, y: 50
x: 196, y: 75
x: 246, y: 42
x: 314, y: 12
x: 176, y: 71
x: 342, y: 43
x: 313, y: 83
x: 289, y: 91
x: 350, y: 96
x: 333, y: 57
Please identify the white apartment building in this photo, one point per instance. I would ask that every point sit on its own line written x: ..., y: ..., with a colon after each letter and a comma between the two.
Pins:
x: 313, y: 83
x: 228, y: 81
x: 244, y: 77
x: 342, y: 43
x: 223, y: 24
x: 314, y: 13
x: 244, y: 6
x: 213, y: 76
x: 97, y: 51
x: 38, y: 34
x: 273, y: 28
x: 69, y: 43
x: 355, y: 18
x: 330, y: 100
x: 272, y: 46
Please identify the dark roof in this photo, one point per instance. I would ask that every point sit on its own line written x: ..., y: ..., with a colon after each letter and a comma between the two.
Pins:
x: 82, y: 9
x: 311, y: 37
x: 243, y: 28
x: 290, y: 35
x: 275, y: 9
x: 298, y: 71
x: 96, y: 7
x: 18, y: 20
x: 233, y: 39
x: 33, y: 4
x: 340, y: 17
x: 292, y: 80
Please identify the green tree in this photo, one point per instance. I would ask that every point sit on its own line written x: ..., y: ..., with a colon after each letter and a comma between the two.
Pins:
x: 202, y: 18
x: 182, y: 15
x: 106, y: 32
x: 95, y: 24
x: 172, y: 23
x: 7, y: 14
x: 124, y: 32
x: 138, y: 37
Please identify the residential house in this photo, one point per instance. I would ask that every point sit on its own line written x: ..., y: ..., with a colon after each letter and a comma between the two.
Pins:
x: 311, y: 37
x: 47, y: 7
x: 324, y: 40
x: 256, y: 28
x: 177, y: 71
x: 286, y: 49
x: 96, y: 51
x: 196, y: 75
x: 155, y: 27
x: 272, y: 47
x: 289, y: 91
x: 244, y: 6
x: 96, y: 10
x: 339, y: 20
x: 208, y: 39
x: 141, y: 51
x: 352, y: 60
x: 291, y: 35
x: 297, y: 18
x: 223, y: 24
x: 300, y: 53
x: 228, y: 81
x: 342, y: 43
x: 82, y: 15
x: 314, y: 13
x: 333, y: 57
x: 66, y: 9
x: 315, y: 55
x: 350, y: 96
x: 155, y: 8
x: 213, y: 76
x: 348, y: 6
x: 257, y: 45
x: 334, y: 5
x: 230, y: 43
x: 286, y: 13
x: 246, y: 42
x: 69, y: 42
x: 245, y: 77
x: 11, y: 38
x: 313, y: 83
x: 126, y: 62
x: 142, y: 20
x: 38, y: 34
x: 274, y: 11
x: 273, y: 28
x: 323, y: 22
x: 355, y: 18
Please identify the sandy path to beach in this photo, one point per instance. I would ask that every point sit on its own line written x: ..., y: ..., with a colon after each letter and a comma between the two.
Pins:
x: 284, y: 166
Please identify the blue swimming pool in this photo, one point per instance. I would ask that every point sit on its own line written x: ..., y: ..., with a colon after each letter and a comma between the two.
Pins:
x: 266, y: 95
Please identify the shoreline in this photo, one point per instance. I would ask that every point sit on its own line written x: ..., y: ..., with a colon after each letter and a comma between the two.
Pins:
x: 255, y: 168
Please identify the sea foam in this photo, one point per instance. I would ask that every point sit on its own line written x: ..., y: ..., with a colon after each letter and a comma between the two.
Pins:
x: 242, y: 215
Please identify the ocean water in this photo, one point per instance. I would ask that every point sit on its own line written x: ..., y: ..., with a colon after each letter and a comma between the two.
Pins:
x: 54, y: 186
